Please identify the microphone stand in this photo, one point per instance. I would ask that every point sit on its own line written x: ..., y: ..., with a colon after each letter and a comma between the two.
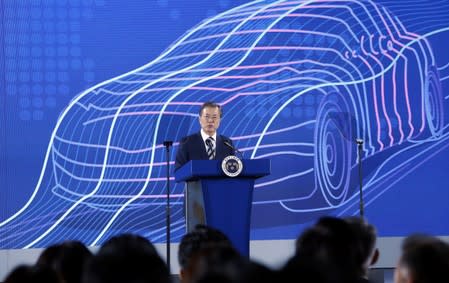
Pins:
x: 167, y: 145
x: 234, y: 148
x: 362, y: 206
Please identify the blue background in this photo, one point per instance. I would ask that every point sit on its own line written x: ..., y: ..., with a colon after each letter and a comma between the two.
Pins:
x: 51, y: 51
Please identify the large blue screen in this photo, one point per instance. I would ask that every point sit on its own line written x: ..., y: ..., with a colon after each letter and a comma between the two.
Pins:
x: 91, y: 89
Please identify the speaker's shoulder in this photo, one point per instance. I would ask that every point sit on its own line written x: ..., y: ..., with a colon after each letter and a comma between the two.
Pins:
x: 190, y: 138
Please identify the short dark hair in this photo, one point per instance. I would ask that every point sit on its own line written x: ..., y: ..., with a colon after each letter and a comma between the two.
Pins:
x: 211, y: 104
x: 126, y: 258
x: 199, y: 238
x: 426, y: 258
x: 129, y: 243
x: 67, y: 258
x: 218, y: 264
x: 329, y: 244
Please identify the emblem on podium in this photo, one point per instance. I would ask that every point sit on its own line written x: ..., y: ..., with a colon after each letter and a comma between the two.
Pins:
x: 232, y: 166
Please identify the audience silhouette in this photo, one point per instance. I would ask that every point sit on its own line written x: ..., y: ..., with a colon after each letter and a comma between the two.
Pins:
x: 367, y: 253
x: 126, y: 258
x: 200, y: 238
x: 33, y: 274
x: 424, y: 259
x: 333, y: 250
x: 67, y: 259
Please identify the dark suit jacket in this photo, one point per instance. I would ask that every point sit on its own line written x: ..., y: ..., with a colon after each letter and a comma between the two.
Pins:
x: 192, y: 148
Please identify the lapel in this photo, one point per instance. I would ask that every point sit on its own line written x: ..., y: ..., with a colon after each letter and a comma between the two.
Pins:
x: 218, y: 148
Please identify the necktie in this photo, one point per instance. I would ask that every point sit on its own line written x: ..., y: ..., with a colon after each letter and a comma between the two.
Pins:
x: 210, y: 147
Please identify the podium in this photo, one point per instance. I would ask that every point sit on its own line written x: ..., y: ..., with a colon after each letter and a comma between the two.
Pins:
x: 219, y: 201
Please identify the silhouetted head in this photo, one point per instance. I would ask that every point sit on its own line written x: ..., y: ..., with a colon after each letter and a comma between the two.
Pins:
x: 254, y: 272
x: 302, y: 269
x: 127, y: 258
x: 424, y: 259
x: 67, y: 259
x: 217, y: 264
x: 202, y: 237
x: 328, y: 247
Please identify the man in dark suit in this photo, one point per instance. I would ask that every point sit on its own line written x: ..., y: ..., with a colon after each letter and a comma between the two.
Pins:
x: 206, y: 144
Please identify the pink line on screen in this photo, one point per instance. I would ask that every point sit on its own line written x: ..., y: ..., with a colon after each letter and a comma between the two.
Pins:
x: 393, y: 78
x: 376, y: 108
x: 393, y: 38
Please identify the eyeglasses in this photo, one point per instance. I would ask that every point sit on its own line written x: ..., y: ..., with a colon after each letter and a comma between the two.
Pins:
x: 213, y: 118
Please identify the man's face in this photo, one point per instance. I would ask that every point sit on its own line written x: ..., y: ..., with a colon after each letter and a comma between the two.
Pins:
x: 210, y: 120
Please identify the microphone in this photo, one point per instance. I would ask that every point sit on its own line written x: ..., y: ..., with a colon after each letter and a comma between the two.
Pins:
x: 228, y: 144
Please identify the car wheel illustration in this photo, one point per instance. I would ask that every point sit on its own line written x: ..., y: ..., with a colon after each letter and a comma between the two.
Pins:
x: 433, y: 103
x: 333, y: 135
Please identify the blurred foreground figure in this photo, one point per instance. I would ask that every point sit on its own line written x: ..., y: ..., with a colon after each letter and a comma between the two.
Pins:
x: 202, y: 237
x: 325, y: 253
x: 424, y: 259
x: 33, y: 274
x: 67, y: 259
x: 366, y: 252
x: 127, y: 258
